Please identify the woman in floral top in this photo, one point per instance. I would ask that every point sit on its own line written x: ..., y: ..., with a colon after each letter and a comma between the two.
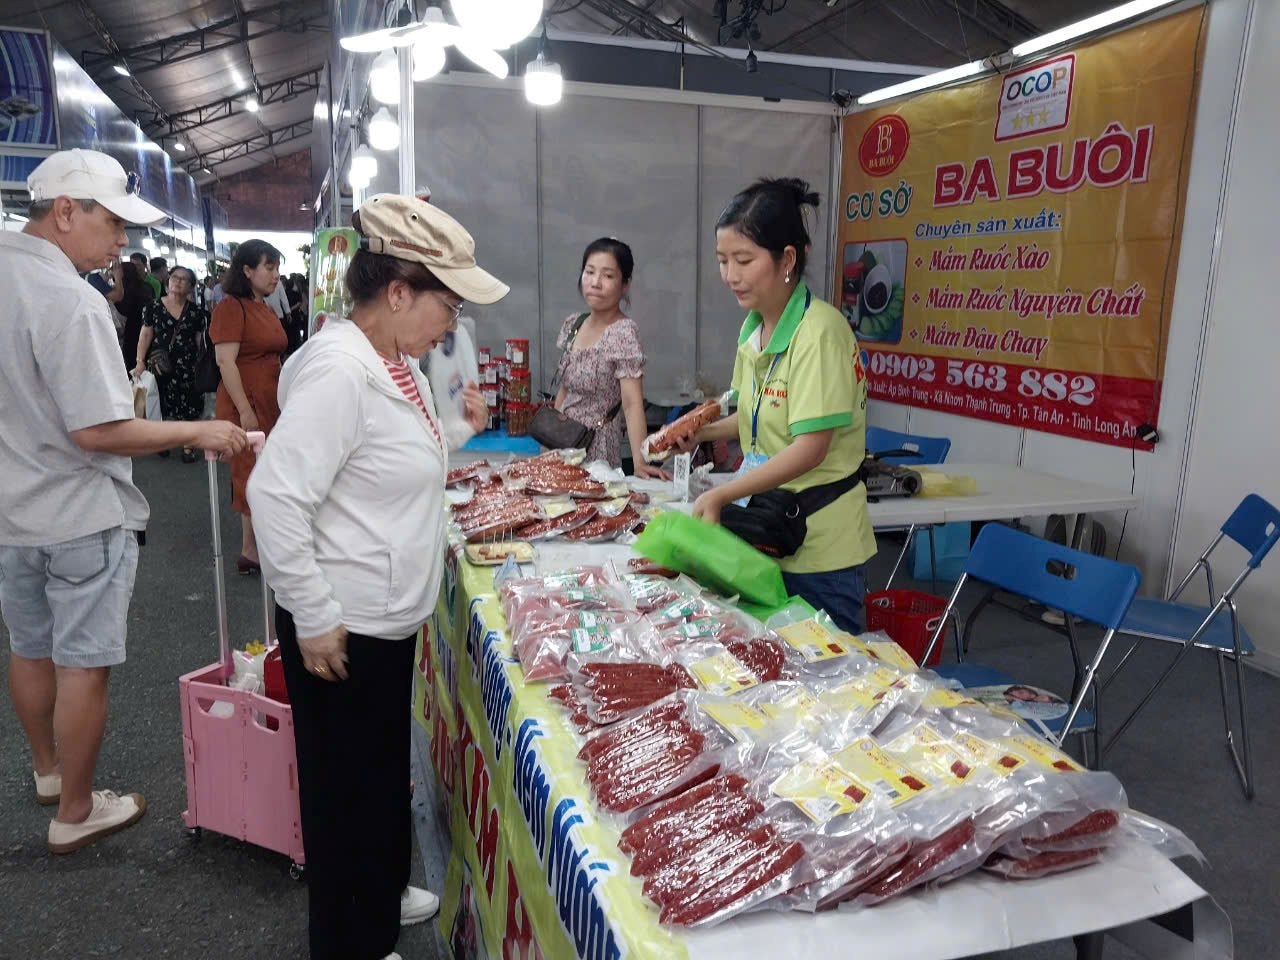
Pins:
x: 603, y: 363
x: 177, y: 324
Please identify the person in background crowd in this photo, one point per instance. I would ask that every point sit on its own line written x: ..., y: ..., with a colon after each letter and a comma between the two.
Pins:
x: 131, y: 304
x: 278, y: 301
x: 452, y: 370
x: 800, y: 353
x: 160, y: 270
x: 248, y: 340
x: 349, y: 488
x: 603, y: 362
x: 218, y: 292
x: 176, y: 324
x: 70, y: 514
x: 144, y: 273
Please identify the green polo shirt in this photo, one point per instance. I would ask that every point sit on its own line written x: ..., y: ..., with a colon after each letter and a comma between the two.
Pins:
x: 809, y: 377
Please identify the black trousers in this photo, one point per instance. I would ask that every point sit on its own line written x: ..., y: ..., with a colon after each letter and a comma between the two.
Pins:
x: 353, y: 748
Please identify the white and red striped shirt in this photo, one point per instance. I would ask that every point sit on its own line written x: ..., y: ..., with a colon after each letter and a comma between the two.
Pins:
x: 402, y: 376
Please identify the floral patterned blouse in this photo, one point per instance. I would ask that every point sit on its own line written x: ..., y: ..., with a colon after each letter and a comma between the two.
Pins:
x: 591, y: 378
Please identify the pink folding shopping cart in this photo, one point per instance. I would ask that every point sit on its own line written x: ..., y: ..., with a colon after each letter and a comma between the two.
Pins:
x: 242, y: 772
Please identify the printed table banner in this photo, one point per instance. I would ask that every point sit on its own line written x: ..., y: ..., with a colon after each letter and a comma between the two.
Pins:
x: 1008, y: 248
x: 533, y: 874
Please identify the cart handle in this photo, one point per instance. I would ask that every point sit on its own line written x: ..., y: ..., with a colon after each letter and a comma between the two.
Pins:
x: 256, y: 441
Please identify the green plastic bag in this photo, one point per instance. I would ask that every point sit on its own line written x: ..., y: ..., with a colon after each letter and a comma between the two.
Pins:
x: 714, y: 557
x: 764, y: 613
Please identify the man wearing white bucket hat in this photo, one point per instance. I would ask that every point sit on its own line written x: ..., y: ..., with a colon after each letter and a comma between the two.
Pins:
x: 70, y: 514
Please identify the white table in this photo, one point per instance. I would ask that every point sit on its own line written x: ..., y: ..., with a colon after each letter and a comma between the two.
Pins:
x: 981, y: 914
x: 1005, y: 492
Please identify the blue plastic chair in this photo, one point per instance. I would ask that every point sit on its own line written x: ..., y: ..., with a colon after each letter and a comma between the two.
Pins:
x: 1255, y: 526
x: 909, y: 449
x: 1092, y: 588
x: 917, y: 450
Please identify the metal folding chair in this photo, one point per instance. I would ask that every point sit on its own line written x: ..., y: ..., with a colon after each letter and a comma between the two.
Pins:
x: 1092, y: 588
x: 1255, y: 526
x: 908, y: 450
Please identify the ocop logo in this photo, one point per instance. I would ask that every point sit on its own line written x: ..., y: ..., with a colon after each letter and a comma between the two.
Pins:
x: 1037, y: 99
x: 884, y: 145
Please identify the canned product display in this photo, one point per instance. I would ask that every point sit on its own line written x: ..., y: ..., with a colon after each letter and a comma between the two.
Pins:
x: 504, y: 368
x: 519, y: 416
x: 518, y: 353
x: 490, y: 393
x: 518, y: 388
x: 489, y: 374
x: 486, y: 356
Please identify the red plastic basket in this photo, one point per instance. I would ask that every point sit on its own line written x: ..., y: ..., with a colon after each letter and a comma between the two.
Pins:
x: 909, y: 617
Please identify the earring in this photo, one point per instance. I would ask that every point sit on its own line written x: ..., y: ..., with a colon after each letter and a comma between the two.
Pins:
x: 395, y: 308
x: 787, y: 278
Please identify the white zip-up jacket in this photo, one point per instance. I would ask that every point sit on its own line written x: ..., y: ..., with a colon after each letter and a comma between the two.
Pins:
x: 347, y: 497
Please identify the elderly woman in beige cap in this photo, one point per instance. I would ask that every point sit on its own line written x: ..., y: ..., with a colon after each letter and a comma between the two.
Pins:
x: 348, y: 505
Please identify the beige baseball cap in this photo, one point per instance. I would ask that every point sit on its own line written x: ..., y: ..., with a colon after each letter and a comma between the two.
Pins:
x: 91, y: 175
x: 413, y: 229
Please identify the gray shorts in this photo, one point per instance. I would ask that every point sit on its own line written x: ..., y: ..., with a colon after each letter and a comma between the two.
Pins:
x: 70, y: 602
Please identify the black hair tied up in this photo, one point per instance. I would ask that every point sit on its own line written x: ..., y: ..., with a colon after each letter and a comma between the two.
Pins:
x: 771, y: 214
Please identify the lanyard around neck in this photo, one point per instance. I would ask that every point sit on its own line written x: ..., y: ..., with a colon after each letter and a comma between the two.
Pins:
x: 757, y: 390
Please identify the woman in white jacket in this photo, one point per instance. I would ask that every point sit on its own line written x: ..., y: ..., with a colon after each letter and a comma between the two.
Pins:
x: 348, y: 506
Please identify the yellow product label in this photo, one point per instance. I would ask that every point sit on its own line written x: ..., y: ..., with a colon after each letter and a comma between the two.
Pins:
x: 797, y: 702
x: 1043, y: 753
x: 722, y: 673
x: 866, y: 761
x: 738, y: 719
x: 941, y: 698
x: 555, y: 507
x: 813, y: 641
x: 923, y: 746
x: 821, y: 789
x: 864, y: 692
x: 886, y: 651
x: 853, y: 644
x: 986, y: 754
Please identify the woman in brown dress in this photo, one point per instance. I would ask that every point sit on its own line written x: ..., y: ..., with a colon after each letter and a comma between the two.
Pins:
x: 248, y: 340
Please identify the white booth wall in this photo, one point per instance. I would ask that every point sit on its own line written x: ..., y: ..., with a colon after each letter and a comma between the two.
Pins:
x: 1234, y: 446
x: 651, y: 167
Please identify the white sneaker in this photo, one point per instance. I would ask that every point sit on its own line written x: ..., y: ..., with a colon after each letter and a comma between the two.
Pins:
x: 417, y: 905
x: 48, y: 788
x: 111, y: 812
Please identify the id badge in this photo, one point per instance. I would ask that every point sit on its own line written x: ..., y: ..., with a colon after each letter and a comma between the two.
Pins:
x: 750, y: 461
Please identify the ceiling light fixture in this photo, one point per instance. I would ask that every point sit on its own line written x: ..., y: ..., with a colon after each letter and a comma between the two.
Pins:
x: 497, y: 23
x: 936, y: 79
x: 384, y: 131
x: 121, y: 68
x: 364, y: 166
x: 543, y: 81
x: 384, y: 78
x: 251, y: 104
x: 1126, y: 11
x: 428, y: 60
x: 179, y: 146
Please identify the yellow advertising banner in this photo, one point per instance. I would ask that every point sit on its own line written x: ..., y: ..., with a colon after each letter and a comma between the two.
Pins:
x: 1008, y: 247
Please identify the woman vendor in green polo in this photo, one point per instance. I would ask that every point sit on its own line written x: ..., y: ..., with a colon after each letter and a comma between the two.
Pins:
x: 802, y: 395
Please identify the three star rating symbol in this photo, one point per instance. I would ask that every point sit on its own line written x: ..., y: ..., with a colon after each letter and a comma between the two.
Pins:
x: 1030, y: 120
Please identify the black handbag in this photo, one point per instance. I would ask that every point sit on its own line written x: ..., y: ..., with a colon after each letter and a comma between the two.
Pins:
x: 160, y: 359
x: 207, y: 375
x: 555, y: 430
x: 776, y: 522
